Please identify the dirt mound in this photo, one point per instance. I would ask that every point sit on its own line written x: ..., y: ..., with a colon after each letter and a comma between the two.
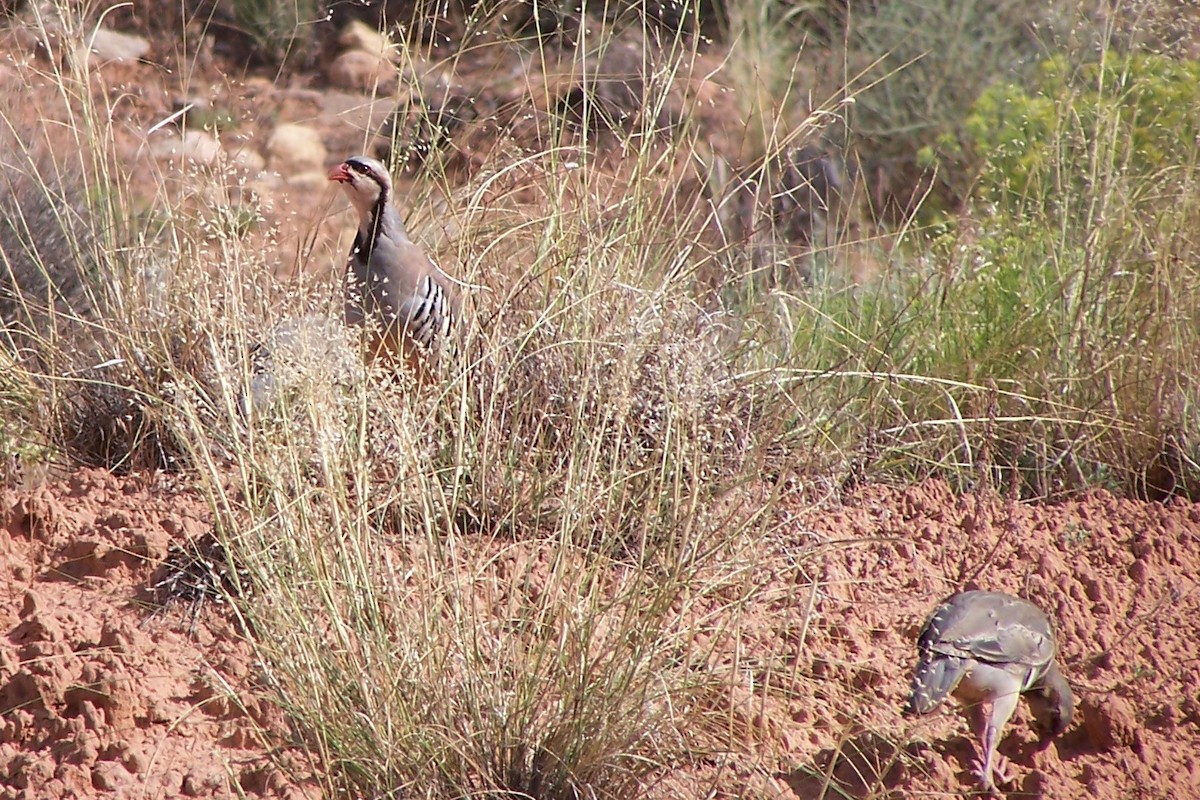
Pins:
x: 1118, y: 577
x: 98, y: 695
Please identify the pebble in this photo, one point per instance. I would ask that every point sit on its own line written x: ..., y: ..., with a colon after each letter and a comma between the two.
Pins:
x: 295, y: 149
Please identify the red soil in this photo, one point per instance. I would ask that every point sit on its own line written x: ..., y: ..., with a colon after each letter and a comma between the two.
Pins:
x: 98, y: 695
x: 102, y: 697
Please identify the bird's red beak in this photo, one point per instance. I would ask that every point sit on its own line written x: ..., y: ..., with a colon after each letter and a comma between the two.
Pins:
x: 340, y: 173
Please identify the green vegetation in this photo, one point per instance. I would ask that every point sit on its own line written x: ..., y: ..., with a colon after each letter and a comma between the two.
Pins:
x: 280, y: 29
x: 525, y: 580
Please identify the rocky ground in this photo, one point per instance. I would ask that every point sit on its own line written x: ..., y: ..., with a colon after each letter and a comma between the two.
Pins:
x: 105, y: 694
x: 102, y: 695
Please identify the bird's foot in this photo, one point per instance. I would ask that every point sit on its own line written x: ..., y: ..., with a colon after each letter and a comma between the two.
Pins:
x: 1001, y: 772
x: 986, y: 787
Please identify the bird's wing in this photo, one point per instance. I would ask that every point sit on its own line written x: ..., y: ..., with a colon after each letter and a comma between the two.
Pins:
x: 410, y: 290
x: 935, y: 677
x: 428, y: 312
x: 990, y: 627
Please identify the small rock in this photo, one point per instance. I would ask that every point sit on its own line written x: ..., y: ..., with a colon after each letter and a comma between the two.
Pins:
x: 198, y: 782
x: 193, y: 785
x: 355, y: 111
x: 34, y: 603
x: 1035, y: 784
x: 1137, y: 572
x: 117, y: 637
x: 76, y: 780
x: 295, y: 149
x: 360, y: 71
x: 109, y: 776
x: 301, y: 793
x: 136, y: 762
x: 196, y: 147
x: 261, y: 188
x: 19, y: 721
x: 30, y: 772
x: 172, y: 782
x: 108, y: 46
x: 358, y: 35
x: 191, y: 103
x: 312, y: 181
x: 1110, y: 722
x: 254, y: 779
x: 248, y: 160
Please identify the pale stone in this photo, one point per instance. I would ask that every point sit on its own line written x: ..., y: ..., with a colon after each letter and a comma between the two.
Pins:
x: 107, y: 46
x: 311, y: 182
x: 248, y: 160
x: 196, y: 147
x: 358, y: 35
x: 360, y: 71
x: 294, y: 149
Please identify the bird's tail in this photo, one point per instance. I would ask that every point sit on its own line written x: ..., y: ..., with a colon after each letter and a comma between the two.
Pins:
x: 936, y: 676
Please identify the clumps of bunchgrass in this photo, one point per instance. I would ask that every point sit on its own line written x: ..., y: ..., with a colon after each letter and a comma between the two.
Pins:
x: 109, y: 306
x: 47, y: 252
x: 420, y: 651
x: 67, y: 253
x: 1033, y: 330
x: 507, y: 582
x: 774, y: 101
x: 488, y: 587
x: 282, y: 31
x: 1058, y: 339
x: 493, y: 585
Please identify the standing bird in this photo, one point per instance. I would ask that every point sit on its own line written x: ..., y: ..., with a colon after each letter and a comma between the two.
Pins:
x: 406, y: 303
x: 988, y: 649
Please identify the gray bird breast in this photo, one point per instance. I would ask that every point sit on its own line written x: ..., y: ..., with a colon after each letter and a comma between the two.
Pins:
x: 369, y: 295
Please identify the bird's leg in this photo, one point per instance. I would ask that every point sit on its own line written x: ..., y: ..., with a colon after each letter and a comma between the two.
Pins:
x: 978, y: 716
x: 1002, y: 768
x: 1002, y: 709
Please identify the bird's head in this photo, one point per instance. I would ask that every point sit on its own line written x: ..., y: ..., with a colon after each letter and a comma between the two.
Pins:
x: 365, y: 180
x: 1052, y: 703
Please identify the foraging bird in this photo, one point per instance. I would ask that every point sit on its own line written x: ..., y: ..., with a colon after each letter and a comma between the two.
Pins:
x: 988, y: 649
x: 406, y: 303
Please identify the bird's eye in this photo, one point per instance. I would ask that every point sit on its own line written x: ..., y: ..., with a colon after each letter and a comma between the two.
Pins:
x: 359, y: 167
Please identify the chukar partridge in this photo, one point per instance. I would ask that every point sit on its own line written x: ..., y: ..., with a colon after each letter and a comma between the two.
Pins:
x: 404, y: 301
x: 988, y: 649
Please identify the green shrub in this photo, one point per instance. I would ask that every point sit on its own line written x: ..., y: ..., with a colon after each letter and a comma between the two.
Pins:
x: 1059, y: 315
x: 280, y: 29
x: 919, y: 67
x: 1128, y: 121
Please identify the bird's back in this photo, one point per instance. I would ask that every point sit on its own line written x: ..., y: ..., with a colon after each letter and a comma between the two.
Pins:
x: 979, y: 627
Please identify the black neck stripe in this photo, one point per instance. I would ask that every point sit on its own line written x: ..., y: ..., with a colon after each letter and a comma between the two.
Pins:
x: 376, y: 218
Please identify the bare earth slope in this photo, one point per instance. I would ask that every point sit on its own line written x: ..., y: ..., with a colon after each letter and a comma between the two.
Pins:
x: 101, y: 698
x: 97, y: 696
x: 1119, y: 578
